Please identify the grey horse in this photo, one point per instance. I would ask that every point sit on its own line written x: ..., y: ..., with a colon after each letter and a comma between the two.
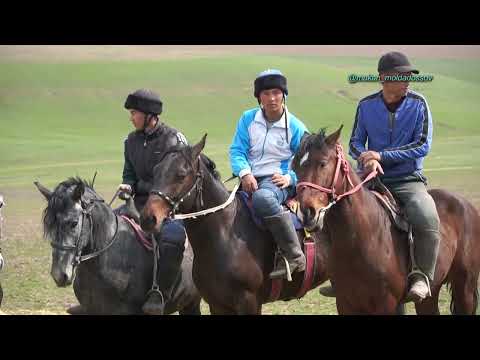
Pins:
x: 111, y: 270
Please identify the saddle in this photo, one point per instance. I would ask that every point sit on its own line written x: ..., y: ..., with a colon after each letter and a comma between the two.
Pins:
x: 399, y: 218
x: 391, y: 206
x: 306, y: 241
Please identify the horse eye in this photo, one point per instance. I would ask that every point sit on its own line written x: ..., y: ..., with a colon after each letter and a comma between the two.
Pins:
x: 181, y: 175
x: 74, y: 224
x: 323, y: 164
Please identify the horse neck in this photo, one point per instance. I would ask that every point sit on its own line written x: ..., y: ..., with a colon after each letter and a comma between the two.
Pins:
x: 207, y: 230
x: 214, y: 192
x: 357, y: 213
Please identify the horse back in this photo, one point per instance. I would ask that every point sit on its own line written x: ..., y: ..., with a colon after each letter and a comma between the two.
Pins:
x: 460, y: 222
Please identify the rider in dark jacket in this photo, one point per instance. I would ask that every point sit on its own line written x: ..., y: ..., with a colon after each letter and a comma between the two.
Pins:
x: 144, y: 147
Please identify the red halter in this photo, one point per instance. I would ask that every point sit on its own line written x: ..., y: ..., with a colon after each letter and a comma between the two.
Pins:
x: 342, y: 164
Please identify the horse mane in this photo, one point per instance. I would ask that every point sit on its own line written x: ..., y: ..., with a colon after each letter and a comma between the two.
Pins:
x: 58, y: 202
x: 211, y: 166
x: 309, y: 141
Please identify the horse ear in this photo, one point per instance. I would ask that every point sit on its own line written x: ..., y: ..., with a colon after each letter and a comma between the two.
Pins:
x: 43, y: 190
x: 197, y: 148
x: 78, y: 192
x: 333, y: 138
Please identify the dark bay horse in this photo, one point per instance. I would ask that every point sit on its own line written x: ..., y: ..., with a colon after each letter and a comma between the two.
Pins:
x: 369, y: 257
x: 233, y: 256
x: 115, y: 270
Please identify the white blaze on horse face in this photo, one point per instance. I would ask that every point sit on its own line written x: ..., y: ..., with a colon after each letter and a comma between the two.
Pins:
x: 304, y: 158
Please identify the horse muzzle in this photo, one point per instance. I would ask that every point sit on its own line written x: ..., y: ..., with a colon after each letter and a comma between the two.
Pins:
x: 313, y: 219
x: 62, y: 278
x: 148, y: 222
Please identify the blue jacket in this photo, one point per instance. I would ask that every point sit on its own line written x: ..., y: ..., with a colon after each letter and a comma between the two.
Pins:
x: 261, y: 151
x: 402, y: 138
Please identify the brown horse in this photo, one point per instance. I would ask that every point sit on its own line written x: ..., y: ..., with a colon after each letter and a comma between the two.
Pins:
x: 369, y: 257
x: 232, y: 256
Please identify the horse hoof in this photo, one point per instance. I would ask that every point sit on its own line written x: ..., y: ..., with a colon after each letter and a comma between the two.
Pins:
x: 76, y: 310
x: 327, y: 291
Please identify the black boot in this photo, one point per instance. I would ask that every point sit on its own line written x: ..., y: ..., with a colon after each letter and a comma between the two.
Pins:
x: 284, y: 234
x: 168, y: 271
x: 328, y: 291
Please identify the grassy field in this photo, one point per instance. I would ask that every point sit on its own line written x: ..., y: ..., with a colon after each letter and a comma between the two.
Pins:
x: 65, y: 119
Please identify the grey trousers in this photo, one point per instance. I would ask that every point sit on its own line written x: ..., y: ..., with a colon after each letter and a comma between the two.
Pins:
x: 419, y: 206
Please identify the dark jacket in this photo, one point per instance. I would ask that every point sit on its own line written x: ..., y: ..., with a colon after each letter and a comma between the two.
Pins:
x: 141, y: 150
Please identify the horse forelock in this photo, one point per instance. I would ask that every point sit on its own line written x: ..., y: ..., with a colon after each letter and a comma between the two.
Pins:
x: 60, y: 200
x: 308, y: 143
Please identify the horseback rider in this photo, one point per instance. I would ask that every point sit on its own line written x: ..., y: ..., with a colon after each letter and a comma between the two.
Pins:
x: 265, y: 141
x: 144, y: 147
x: 397, y: 124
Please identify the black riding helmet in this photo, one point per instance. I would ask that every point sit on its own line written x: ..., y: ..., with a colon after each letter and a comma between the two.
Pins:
x: 145, y: 101
x: 271, y: 79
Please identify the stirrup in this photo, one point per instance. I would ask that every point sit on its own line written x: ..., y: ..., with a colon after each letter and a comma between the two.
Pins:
x: 155, y: 289
x: 287, y: 265
x: 425, y: 277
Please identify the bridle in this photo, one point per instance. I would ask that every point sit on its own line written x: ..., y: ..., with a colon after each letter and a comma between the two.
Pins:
x: 338, y: 182
x: 175, y: 202
x: 87, y: 208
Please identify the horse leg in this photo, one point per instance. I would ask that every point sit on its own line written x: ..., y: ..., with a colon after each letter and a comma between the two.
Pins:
x: 464, y: 294
x: 248, y: 304
x: 429, y: 306
x: 220, y: 310
x: 400, y: 310
x: 192, y: 308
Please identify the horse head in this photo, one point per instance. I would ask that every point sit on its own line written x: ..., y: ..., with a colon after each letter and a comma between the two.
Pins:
x: 177, y: 181
x: 67, y: 223
x: 317, y: 167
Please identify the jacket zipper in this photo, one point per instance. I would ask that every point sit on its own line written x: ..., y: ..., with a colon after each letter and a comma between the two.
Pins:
x: 391, y: 121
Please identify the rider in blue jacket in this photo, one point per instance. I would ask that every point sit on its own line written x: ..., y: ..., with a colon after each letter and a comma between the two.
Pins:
x: 397, y: 124
x: 266, y: 139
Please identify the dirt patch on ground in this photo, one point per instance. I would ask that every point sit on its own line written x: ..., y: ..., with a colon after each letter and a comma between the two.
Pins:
x: 71, y: 53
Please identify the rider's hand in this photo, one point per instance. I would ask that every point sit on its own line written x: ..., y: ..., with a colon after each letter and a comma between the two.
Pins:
x: 249, y: 183
x: 366, y: 156
x: 282, y: 181
x: 125, y: 188
x: 373, y: 165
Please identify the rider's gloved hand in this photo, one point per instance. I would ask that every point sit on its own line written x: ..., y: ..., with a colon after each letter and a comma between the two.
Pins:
x: 125, y: 191
x: 125, y: 188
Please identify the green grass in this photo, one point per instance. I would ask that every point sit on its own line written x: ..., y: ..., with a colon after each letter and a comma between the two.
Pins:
x: 61, y: 120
